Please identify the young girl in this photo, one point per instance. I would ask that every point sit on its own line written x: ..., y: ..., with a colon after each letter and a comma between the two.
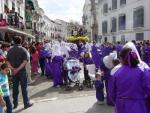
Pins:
x: 5, y: 86
x: 99, y: 85
x: 34, y: 61
x: 2, y: 102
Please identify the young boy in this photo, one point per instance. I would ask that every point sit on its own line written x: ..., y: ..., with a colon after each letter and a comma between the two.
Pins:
x: 2, y: 102
x: 5, y: 86
x: 99, y: 85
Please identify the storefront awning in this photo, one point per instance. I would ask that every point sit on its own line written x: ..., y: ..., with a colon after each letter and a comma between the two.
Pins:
x: 13, y: 30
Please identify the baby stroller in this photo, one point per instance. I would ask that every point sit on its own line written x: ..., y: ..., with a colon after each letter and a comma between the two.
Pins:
x: 72, y: 66
x: 90, y: 71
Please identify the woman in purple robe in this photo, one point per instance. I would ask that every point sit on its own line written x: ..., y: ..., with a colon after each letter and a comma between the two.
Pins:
x: 130, y: 84
x: 56, y: 66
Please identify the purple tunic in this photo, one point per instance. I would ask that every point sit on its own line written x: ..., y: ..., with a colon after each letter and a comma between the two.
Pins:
x: 73, y: 53
x: 129, y: 87
x: 95, y: 56
x: 57, y: 64
x: 118, y: 48
x: 87, y: 61
x: 99, y: 90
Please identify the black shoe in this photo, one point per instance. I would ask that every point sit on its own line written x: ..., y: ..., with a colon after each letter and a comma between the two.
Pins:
x: 28, y: 105
x: 15, y: 106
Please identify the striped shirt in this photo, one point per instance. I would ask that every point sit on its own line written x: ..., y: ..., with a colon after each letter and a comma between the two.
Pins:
x: 4, y: 84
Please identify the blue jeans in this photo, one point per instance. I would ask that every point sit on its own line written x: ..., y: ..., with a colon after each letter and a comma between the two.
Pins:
x: 21, y: 78
x: 8, y: 104
x: 1, y: 110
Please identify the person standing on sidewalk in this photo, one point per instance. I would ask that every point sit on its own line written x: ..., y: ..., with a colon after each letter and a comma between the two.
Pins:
x: 17, y: 58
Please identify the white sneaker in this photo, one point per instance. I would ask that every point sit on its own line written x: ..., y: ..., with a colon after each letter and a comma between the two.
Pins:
x: 100, y: 102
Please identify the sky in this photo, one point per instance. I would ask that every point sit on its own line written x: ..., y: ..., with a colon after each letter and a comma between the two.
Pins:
x: 63, y: 9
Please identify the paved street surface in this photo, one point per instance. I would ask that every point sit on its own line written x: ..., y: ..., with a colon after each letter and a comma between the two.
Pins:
x: 84, y: 104
x: 48, y: 99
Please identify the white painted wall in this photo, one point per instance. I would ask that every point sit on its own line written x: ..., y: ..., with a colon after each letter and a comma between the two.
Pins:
x: 128, y: 9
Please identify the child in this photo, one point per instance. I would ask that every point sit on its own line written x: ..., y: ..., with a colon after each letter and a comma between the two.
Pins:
x: 99, y: 85
x: 34, y: 61
x: 2, y: 102
x: 5, y: 86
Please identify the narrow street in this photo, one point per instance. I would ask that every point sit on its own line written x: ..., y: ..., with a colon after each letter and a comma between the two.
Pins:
x: 47, y: 99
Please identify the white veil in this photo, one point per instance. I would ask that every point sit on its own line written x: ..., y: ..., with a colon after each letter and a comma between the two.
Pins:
x: 56, y: 50
x: 133, y: 47
x: 108, y: 60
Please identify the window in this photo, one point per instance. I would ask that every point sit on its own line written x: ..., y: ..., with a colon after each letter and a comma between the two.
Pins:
x: 123, y: 40
x: 105, y: 39
x: 139, y: 36
x: 122, y: 22
x: 104, y: 27
x: 105, y: 8
x: 114, y: 25
x: 19, y: 11
x: 122, y: 2
x: 114, y: 39
x: 139, y: 17
x: 114, y: 4
x: 13, y: 6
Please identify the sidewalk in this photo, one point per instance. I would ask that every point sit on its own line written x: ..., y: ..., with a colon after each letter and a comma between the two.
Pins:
x: 84, y: 104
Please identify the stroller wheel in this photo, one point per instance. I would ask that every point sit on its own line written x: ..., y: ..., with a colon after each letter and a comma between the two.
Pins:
x: 84, y: 83
x: 68, y: 88
x: 81, y: 87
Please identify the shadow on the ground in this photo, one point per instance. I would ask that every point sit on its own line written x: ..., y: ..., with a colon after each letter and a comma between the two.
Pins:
x: 60, y: 90
x: 39, y: 79
x: 44, y: 92
x: 19, y: 110
x: 98, y: 109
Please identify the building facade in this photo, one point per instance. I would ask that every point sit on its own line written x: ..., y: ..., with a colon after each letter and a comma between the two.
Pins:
x: 63, y: 27
x: 124, y: 20
x: 90, y: 18
x: 12, y: 19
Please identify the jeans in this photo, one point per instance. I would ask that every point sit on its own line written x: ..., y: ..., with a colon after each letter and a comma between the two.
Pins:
x: 1, y: 110
x: 21, y: 78
x: 8, y: 104
x: 42, y: 65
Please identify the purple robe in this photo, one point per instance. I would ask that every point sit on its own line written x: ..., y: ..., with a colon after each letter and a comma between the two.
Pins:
x: 95, y: 56
x: 107, y: 79
x: 87, y: 61
x: 48, y: 69
x: 99, y: 90
x: 57, y: 63
x: 118, y: 49
x: 147, y: 54
x: 129, y: 87
x: 73, y: 53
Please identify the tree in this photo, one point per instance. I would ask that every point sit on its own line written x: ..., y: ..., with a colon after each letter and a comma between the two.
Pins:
x: 94, y: 26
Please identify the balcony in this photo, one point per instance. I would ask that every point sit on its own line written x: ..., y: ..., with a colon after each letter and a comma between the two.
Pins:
x: 13, y: 20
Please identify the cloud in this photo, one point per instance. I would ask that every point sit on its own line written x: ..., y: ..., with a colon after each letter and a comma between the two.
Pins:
x: 63, y: 9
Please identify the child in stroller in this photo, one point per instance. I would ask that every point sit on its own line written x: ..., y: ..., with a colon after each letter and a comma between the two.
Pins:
x: 71, y: 72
